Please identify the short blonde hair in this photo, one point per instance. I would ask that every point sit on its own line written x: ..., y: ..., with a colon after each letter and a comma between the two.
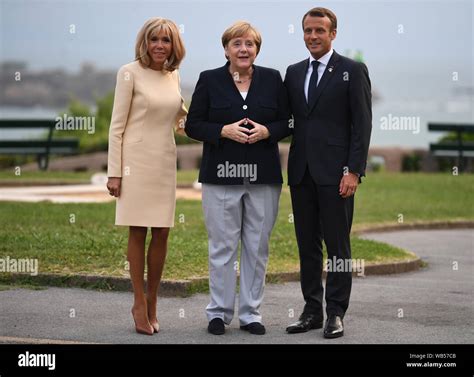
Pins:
x: 153, y: 27
x: 239, y: 29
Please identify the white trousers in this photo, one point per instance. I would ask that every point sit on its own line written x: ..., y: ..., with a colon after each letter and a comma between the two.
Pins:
x: 234, y: 213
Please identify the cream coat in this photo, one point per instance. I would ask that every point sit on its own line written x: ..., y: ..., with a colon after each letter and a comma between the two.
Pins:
x: 148, y: 106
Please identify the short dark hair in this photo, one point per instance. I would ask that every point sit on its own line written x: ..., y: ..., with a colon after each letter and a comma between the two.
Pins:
x: 322, y: 12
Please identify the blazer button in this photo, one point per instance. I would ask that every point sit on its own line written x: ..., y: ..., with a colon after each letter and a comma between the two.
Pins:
x: 244, y: 107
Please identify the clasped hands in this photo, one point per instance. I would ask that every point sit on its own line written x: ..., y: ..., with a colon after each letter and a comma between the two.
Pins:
x: 236, y: 132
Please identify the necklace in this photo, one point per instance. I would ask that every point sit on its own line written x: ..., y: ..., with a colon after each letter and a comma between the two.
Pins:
x: 237, y: 79
x: 243, y: 81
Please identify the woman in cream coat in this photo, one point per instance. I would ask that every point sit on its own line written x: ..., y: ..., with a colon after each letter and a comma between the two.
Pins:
x: 142, y: 157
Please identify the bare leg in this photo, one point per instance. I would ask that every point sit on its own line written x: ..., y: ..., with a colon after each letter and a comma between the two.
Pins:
x: 136, y: 258
x: 156, y: 261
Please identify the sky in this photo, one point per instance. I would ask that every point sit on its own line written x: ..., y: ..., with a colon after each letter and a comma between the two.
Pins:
x: 418, y: 52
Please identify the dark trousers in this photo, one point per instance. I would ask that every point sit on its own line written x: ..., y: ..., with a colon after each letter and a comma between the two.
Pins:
x: 320, y: 213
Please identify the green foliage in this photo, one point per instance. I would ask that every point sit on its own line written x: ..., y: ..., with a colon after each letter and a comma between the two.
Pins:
x: 98, y: 140
x: 181, y: 139
x: 8, y: 161
x: 453, y: 136
x: 94, y: 245
x: 76, y: 108
x: 411, y: 162
x: 446, y: 163
x: 375, y: 165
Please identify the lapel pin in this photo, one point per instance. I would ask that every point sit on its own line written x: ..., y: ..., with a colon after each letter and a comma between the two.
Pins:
x: 330, y: 69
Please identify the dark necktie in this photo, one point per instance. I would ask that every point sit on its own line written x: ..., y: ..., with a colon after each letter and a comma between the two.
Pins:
x: 313, y: 82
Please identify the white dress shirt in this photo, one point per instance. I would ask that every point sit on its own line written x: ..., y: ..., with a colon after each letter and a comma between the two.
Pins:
x: 323, y: 62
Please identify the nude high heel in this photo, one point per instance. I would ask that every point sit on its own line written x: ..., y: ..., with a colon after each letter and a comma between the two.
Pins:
x: 145, y: 331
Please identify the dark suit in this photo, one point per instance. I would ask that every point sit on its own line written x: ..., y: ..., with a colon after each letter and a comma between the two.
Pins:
x: 216, y: 102
x: 330, y: 136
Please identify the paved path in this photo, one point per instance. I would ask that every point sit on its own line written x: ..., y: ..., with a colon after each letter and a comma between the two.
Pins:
x: 437, y: 305
x: 85, y: 193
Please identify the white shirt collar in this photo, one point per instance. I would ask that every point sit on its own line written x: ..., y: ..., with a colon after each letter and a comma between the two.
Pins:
x: 323, y: 59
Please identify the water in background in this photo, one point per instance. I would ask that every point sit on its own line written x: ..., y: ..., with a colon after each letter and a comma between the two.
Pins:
x: 457, y: 109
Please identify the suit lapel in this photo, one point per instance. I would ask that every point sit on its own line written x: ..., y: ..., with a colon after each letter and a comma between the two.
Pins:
x: 328, y: 74
x: 228, y: 81
x: 253, y: 84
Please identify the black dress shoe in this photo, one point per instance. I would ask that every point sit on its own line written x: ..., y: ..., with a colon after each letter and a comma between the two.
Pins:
x: 334, y: 327
x: 216, y: 326
x: 305, y: 323
x: 255, y: 328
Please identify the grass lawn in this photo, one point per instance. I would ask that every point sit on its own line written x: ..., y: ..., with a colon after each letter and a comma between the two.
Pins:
x: 93, y: 245
x: 8, y: 177
x: 382, y: 197
x: 51, y: 177
x: 6, y: 287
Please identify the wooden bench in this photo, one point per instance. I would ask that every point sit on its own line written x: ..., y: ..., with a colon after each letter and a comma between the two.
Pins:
x: 43, y: 148
x: 460, y: 146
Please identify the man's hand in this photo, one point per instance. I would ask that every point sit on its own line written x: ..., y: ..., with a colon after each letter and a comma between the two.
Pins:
x: 235, y: 132
x: 348, y: 185
x: 258, y: 132
x: 113, y: 185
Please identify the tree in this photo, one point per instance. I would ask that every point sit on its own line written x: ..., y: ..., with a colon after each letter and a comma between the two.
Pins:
x: 98, y: 140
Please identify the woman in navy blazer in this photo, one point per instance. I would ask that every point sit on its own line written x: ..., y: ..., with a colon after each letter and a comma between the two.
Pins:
x: 239, y: 112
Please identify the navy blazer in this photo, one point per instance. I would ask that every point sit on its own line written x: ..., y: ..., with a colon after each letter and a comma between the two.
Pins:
x: 216, y: 102
x: 332, y: 134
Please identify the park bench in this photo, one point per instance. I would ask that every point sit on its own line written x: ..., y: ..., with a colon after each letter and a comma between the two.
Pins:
x: 459, y: 146
x: 42, y: 148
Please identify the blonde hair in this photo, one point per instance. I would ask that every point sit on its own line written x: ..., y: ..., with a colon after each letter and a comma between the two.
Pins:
x: 153, y: 27
x: 239, y: 29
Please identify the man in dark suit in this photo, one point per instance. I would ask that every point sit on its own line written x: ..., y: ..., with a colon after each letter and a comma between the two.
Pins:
x: 330, y: 99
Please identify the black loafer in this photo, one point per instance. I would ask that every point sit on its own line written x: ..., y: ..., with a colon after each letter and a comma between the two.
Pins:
x: 334, y: 327
x: 305, y: 323
x: 216, y: 326
x: 255, y: 328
